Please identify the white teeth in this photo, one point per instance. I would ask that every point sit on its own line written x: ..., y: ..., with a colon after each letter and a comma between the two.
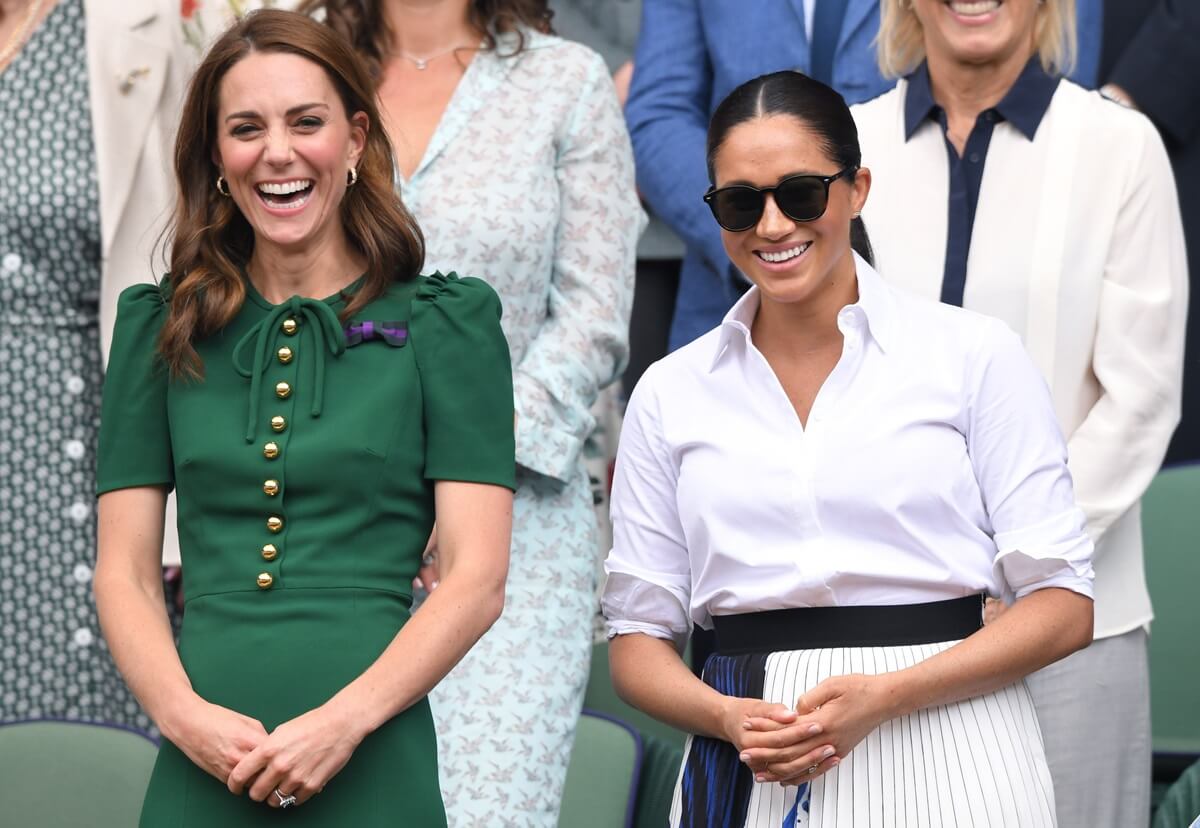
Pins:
x: 285, y: 188
x: 293, y: 204
x: 971, y: 9
x: 784, y: 255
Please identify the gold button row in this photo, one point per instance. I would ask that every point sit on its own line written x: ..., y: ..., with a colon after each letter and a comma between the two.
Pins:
x: 283, y: 390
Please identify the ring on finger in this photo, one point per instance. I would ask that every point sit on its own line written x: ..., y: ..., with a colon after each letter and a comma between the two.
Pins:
x: 428, y: 558
x: 812, y: 769
x: 285, y: 800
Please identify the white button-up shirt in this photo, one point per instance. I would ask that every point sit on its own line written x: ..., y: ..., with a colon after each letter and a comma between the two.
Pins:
x: 931, y: 467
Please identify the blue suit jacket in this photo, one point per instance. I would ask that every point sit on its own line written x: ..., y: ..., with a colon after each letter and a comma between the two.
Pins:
x: 690, y: 55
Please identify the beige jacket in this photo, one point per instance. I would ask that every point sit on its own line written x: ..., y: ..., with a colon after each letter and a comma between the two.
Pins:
x: 138, y: 65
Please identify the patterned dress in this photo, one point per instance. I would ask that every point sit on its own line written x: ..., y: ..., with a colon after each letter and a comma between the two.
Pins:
x: 53, y: 659
x: 528, y: 184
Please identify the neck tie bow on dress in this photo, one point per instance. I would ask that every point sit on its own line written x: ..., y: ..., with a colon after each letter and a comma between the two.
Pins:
x: 327, y: 334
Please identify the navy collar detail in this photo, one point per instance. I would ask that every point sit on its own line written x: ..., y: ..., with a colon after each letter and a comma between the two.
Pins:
x: 1024, y: 106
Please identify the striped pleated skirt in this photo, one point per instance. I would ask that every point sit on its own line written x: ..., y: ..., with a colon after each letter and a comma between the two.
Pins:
x: 979, y: 762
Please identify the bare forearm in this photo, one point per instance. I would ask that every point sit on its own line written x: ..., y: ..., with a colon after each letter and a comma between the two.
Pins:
x: 449, y: 623
x: 649, y: 675
x: 1037, y: 630
x: 134, y: 619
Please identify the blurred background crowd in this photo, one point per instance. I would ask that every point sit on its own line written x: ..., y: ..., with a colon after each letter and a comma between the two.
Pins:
x: 1064, y: 200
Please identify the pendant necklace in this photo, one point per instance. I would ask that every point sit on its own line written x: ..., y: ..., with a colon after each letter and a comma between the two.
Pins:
x: 422, y: 63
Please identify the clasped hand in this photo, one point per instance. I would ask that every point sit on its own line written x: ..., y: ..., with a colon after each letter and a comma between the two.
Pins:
x: 794, y: 746
x: 298, y: 758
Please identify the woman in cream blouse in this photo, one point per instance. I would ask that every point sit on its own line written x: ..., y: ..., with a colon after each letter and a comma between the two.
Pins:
x: 1004, y: 188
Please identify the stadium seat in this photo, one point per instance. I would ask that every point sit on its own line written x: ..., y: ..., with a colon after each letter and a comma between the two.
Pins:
x: 56, y: 774
x: 602, y: 777
x: 1171, y: 523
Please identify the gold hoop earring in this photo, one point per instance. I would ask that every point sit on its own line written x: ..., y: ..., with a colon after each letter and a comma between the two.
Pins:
x: 222, y: 186
x: 353, y: 177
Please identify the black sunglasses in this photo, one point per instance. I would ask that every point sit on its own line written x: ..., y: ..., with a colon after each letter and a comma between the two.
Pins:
x: 801, y: 198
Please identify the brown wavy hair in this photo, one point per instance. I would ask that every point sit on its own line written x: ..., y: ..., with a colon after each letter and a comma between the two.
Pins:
x: 210, y: 240
x: 362, y: 23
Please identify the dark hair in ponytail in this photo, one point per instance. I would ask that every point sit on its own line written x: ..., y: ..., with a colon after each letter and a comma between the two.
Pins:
x: 822, y: 110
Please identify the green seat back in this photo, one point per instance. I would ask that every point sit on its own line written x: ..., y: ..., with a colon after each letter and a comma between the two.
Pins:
x: 1181, y: 806
x: 1171, y: 525
x: 70, y: 774
x: 602, y: 776
x: 661, y: 761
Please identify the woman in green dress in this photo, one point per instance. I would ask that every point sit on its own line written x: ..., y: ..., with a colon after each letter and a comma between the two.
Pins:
x: 310, y: 441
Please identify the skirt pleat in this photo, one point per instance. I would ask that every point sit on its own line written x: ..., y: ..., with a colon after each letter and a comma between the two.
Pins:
x: 978, y: 763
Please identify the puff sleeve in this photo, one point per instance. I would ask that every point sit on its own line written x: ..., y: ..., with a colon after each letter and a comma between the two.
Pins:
x: 466, y: 381
x: 135, y: 435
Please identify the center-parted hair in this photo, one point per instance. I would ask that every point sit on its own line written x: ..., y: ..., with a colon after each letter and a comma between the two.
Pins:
x: 210, y: 240
x: 821, y: 110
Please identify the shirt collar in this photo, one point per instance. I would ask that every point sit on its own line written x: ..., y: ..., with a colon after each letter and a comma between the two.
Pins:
x: 1023, y: 106
x: 874, y: 301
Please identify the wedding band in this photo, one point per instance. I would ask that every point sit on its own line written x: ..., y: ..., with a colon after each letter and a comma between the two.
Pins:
x: 284, y: 801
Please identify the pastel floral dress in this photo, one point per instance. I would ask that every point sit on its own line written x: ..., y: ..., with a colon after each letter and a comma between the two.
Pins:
x: 528, y: 183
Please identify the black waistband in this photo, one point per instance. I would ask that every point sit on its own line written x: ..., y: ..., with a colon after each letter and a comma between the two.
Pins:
x: 810, y: 628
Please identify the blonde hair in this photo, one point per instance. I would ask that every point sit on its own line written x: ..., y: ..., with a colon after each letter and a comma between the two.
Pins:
x: 901, y: 40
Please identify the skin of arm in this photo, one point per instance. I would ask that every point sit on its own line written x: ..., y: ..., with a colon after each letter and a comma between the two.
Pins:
x: 474, y: 532
x: 649, y: 675
x: 129, y: 598
x: 1050, y: 624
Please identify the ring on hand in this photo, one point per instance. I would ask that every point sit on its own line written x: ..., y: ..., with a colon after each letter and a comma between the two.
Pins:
x: 428, y: 558
x: 284, y: 801
x: 812, y: 769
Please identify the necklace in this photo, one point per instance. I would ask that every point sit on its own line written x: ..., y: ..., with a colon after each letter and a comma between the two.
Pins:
x: 422, y: 63
x: 22, y: 31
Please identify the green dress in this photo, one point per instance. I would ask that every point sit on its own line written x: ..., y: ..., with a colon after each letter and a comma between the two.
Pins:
x: 304, y: 465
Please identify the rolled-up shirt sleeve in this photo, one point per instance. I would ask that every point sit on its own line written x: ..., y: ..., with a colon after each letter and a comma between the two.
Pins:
x: 648, y: 589
x: 1020, y: 461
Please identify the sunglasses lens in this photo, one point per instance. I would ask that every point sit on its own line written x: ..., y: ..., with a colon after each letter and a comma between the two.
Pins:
x: 802, y: 198
x: 737, y: 208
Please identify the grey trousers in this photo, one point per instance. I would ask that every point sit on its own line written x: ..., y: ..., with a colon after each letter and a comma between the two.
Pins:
x: 1094, y: 710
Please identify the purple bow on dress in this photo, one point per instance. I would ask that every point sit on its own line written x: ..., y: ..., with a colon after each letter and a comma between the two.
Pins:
x: 393, y: 333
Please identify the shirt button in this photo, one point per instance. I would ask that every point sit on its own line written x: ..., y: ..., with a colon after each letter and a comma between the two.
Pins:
x: 974, y: 158
x: 271, y: 450
x: 74, y: 449
x: 289, y: 326
x: 82, y: 573
x: 83, y: 637
x: 265, y: 580
x: 79, y: 512
x: 274, y: 524
x: 269, y: 552
x: 283, y: 390
x: 271, y: 487
x: 278, y: 423
x: 285, y: 354
x: 75, y: 385
x: 11, y: 262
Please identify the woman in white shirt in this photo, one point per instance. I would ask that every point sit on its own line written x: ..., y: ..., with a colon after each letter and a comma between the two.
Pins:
x: 1006, y: 189
x: 832, y: 479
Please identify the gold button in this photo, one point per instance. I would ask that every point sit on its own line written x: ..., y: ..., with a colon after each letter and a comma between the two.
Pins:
x: 271, y: 450
x: 275, y: 524
x: 283, y: 390
x: 289, y: 326
x: 285, y: 354
x: 265, y: 580
x: 278, y: 423
x: 269, y: 552
x: 271, y: 487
